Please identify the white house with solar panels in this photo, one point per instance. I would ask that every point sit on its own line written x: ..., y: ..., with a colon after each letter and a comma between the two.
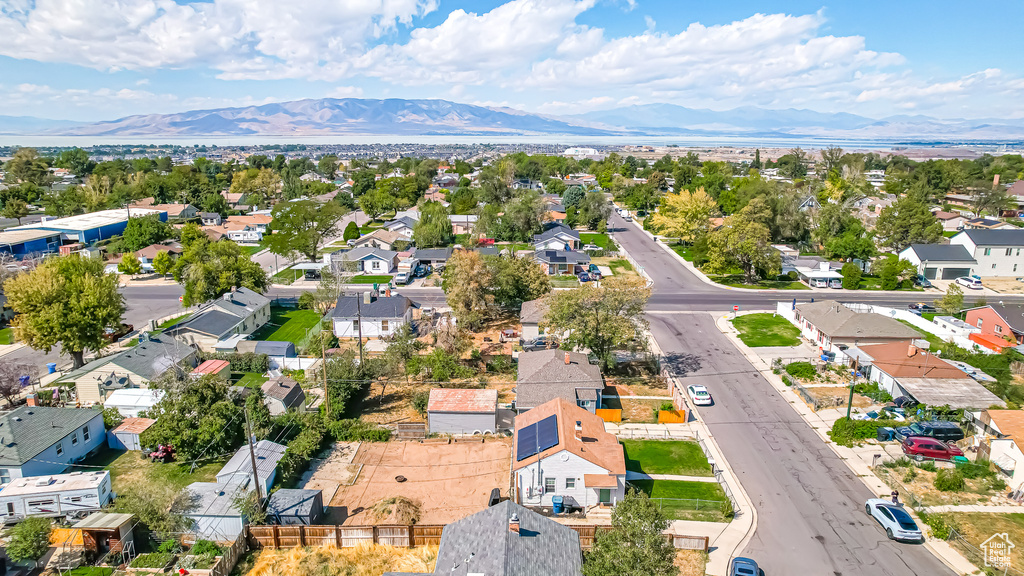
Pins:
x: 562, y: 450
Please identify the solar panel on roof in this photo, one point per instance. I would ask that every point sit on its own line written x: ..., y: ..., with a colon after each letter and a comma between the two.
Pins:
x: 527, y: 443
x: 547, y: 433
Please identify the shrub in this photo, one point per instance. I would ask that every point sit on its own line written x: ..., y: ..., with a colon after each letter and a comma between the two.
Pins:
x: 939, y: 525
x: 851, y: 276
x: 846, y: 431
x: 205, y: 547
x: 786, y: 380
x: 929, y: 466
x: 300, y: 450
x: 247, y: 362
x: 997, y: 484
x: 307, y: 301
x: 979, y: 469
x: 354, y: 430
x: 803, y: 370
x: 793, y: 275
x: 874, y: 391
x: 419, y: 401
x: 501, y: 364
x: 169, y: 546
x: 152, y: 560
x: 351, y: 231
x: 910, y: 475
x: 30, y: 539
x: 949, y: 480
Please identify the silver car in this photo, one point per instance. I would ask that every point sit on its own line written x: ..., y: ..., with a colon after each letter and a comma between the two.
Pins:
x: 897, y: 522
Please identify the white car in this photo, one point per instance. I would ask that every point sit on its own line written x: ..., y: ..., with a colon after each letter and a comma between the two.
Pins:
x: 699, y: 395
x: 972, y: 283
x: 591, y: 247
x: 894, y: 519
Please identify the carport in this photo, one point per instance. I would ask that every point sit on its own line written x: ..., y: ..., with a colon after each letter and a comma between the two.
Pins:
x: 952, y: 392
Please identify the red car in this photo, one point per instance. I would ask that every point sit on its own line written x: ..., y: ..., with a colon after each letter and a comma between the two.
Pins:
x: 922, y: 448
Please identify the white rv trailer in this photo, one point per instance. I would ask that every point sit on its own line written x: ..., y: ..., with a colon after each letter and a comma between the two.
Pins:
x: 70, y: 495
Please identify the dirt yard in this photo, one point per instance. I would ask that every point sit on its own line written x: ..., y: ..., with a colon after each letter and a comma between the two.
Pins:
x: 447, y: 481
x: 1004, y: 285
x: 839, y: 396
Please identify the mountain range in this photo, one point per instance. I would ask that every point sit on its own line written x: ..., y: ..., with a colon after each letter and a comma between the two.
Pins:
x: 357, y: 116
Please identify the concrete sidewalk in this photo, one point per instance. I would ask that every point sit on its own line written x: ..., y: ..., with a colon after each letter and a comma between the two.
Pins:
x: 973, y: 508
x: 630, y: 475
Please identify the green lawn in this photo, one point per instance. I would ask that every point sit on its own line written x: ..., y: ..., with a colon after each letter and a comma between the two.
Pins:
x: 90, y: 571
x: 666, y: 457
x: 332, y: 248
x: 875, y: 283
x: 765, y: 329
x: 596, y: 239
x: 703, y: 501
x: 367, y: 279
x: 620, y: 264
x: 7, y: 336
x: 250, y: 250
x: 564, y: 281
x: 736, y: 281
x: 364, y: 230
x: 287, y: 276
x: 287, y: 325
x: 684, y: 251
x: 950, y: 233
x: 248, y: 379
x: 173, y: 321
x: 129, y: 468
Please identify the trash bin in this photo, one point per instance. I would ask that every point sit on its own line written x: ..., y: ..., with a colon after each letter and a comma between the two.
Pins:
x: 885, y: 433
x: 556, y: 504
x: 51, y: 367
x: 959, y: 461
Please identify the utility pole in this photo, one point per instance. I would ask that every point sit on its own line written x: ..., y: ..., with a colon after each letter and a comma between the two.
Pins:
x: 359, y: 326
x: 252, y: 456
x: 323, y: 352
x: 853, y: 384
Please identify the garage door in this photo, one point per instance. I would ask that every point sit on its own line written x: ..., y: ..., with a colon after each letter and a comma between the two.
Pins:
x: 952, y: 273
x: 929, y: 273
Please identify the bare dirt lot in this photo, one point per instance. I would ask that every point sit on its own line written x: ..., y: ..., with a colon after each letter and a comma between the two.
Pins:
x: 1003, y: 285
x: 447, y: 481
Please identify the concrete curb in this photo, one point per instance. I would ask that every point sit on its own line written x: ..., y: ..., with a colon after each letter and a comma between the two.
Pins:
x: 943, y: 551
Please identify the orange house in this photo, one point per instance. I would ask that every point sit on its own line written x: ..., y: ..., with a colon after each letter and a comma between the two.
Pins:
x: 1000, y: 322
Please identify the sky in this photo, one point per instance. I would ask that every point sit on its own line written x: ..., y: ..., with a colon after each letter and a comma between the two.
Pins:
x: 91, y: 60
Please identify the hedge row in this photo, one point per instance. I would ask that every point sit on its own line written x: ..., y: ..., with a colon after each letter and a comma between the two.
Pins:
x: 247, y: 362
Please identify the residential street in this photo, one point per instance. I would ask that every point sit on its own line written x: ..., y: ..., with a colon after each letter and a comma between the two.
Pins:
x: 810, y: 506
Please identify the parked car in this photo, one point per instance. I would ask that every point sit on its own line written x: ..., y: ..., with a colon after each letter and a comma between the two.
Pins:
x: 921, y: 281
x: 920, y: 307
x: 593, y: 269
x: 114, y: 334
x: 591, y: 247
x: 904, y: 402
x: 423, y: 270
x: 740, y: 566
x: 540, y: 343
x: 972, y: 283
x: 699, y: 395
x: 402, y: 278
x: 940, y: 430
x: 894, y: 519
x: 923, y: 448
x: 818, y: 282
x: 835, y: 283
x: 583, y: 277
x: 508, y: 335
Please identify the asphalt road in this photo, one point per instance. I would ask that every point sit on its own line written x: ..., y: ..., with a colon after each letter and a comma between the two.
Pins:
x: 810, y: 506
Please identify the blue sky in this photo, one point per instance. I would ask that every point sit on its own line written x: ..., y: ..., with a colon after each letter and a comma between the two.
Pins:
x: 103, y: 59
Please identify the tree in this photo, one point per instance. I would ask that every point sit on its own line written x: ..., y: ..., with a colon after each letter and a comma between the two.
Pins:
x: 76, y: 160
x: 158, y: 506
x: 190, y: 234
x: 258, y: 186
x: 209, y: 269
x: 303, y: 227
x: 328, y: 166
x: 685, y: 215
x: 130, y: 264
x: 214, y: 202
x: 893, y: 271
x: 851, y: 276
x: 10, y: 380
x: 466, y: 283
x: 434, y: 227
x: 515, y: 280
x: 830, y: 160
x: 593, y: 211
x: 163, y: 263
x: 376, y: 202
x: 143, y: 231
x: 953, y: 301
x: 67, y: 301
x: 602, y: 318
x: 27, y: 166
x: 351, y: 231
x: 573, y: 196
x: 983, y: 199
x: 250, y: 507
x: 635, y: 546
x: 907, y: 221
x: 30, y: 539
x: 16, y: 208
x: 197, y: 418
x: 746, y: 243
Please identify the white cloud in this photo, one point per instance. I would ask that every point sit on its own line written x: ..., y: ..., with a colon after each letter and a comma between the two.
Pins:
x: 651, y: 24
x: 577, y: 106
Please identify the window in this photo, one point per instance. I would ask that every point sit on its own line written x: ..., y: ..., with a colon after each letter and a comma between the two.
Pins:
x: 85, y: 433
x: 74, y: 438
x: 1009, y: 251
x: 76, y: 498
x: 60, y: 448
x: 988, y: 251
x: 570, y: 483
x: 549, y: 485
x: 993, y: 266
x: 384, y: 325
x: 1018, y: 251
x: 980, y: 322
x: 5, y: 475
x: 1014, y: 267
x: 999, y: 329
x: 10, y: 509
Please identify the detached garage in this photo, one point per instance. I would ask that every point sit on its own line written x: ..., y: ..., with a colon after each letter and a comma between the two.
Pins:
x: 457, y: 411
x: 939, y: 261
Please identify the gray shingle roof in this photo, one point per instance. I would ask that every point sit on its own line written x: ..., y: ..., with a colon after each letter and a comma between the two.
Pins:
x: 1012, y: 314
x: 838, y: 321
x: 942, y: 252
x: 996, y: 237
x: 28, y: 430
x: 542, y: 546
x: 544, y: 375
x: 533, y: 311
x: 241, y: 302
x: 364, y: 252
x: 556, y: 230
x: 433, y: 254
x: 386, y: 307
x: 406, y: 220
x: 561, y: 257
x: 149, y: 359
x: 212, y: 322
x: 284, y: 389
x: 268, y: 454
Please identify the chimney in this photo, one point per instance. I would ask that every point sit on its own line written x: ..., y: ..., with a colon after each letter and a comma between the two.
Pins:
x: 31, y: 400
x: 227, y: 296
x: 579, y: 429
x: 367, y: 298
x: 567, y: 360
x: 911, y: 350
x: 513, y: 523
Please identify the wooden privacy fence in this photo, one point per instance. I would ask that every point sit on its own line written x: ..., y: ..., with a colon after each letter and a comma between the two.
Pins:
x: 609, y: 414
x: 406, y: 536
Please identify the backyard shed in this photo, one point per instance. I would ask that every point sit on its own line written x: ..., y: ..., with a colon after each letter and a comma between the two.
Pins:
x: 214, y: 512
x: 219, y: 368
x: 458, y: 411
x: 126, y: 435
x: 131, y: 402
x: 104, y: 532
x: 276, y: 348
x: 283, y: 394
x: 239, y: 468
x: 296, y: 506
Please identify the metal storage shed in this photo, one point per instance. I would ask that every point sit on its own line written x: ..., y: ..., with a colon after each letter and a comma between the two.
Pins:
x: 276, y: 348
x: 126, y: 435
x: 457, y: 411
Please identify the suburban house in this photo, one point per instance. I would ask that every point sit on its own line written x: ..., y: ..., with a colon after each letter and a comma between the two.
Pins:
x: 239, y: 467
x: 234, y: 199
x: 832, y: 326
x: 374, y: 316
x: 40, y: 440
x: 556, y: 262
x: 283, y: 394
x: 507, y: 540
x: 237, y: 313
x: 295, y: 506
x: 531, y: 315
x: 433, y: 256
x: 369, y: 260
x: 940, y: 261
x: 998, y: 433
x: 563, y: 450
x: 402, y: 226
x: 951, y: 221
x: 379, y: 238
x: 987, y: 224
x: 557, y: 237
x: 148, y: 254
x: 904, y: 369
x: 547, y: 374
x: 458, y: 411
x: 1002, y: 321
x: 998, y: 252
x: 463, y: 223
x: 174, y: 211
x: 210, y: 218
x: 133, y: 367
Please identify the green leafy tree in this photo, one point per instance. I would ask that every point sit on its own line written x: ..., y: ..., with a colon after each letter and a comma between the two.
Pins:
x: 259, y: 414
x: 953, y: 301
x: 745, y: 243
x: 163, y: 263
x: 685, y: 215
x: 893, y: 271
x: 65, y: 202
x: 466, y: 282
x: 141, y: 231
x: 351, y: 231
x: 434, y: 227
x: 251, y: 508
x: 196, y: 418
x: 214, y: 202
x: 515, y: 280
x: 130, y: 264
x: 635, y: 546
x: 209, y: 269
x: 851, y: 276
x: 68, y: 301
x: 112, y: 418
x: 328, y: 166
x: 593, y: 211
x: 27, y: 166
x: 573, y: 196
x: 303, y: 227
x: 76, y: 160
x: 30, y: 539
x: 907, y: 221
x: 376, y: 202
x: 16, y: 209
x: 602, y: 318
x: 190, y: 234
x: 159, y: 506
x: 259, y: 187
